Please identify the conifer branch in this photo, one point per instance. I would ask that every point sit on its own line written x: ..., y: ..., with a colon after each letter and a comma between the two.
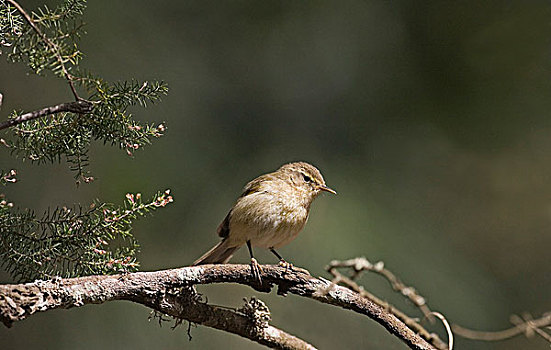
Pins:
x: 71, y: 242
x: 46, y: 40
x: 79, y: 107
x: 51, y: 44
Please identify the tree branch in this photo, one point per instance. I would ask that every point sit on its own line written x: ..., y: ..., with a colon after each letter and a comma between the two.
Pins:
x: 526, y: 325
x: 359, y: 265
x: 186, y: 304
x: 158, y: 290
x: 52, y: 45
x: 80, y: 106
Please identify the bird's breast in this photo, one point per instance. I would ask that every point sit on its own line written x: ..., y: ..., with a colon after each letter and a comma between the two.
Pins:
x: 267, y: 219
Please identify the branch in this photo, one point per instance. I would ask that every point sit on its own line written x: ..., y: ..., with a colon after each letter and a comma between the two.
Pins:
x: 52, y: 45
x: 358, y: 265
x: 526, y: 325
x: 523, y: 325
x: 186, y: 304
x: 156, y: 290
x: 80, y: 106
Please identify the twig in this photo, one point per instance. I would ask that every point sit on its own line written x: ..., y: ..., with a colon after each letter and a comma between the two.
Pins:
x: 52, y: 45
x: 362, y: 264
x: 18, y: 302
x: 525, y: 325
x: 80, y: 107
x: 447, y: 326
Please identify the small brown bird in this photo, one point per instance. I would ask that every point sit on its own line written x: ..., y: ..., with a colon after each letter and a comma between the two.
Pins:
x: 269, y: 214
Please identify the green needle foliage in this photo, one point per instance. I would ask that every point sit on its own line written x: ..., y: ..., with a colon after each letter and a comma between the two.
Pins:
x: 75, y: 241
x: 51, y: 44
x: 80, y: 240
x: 47, y: 40
x: 11, y: 24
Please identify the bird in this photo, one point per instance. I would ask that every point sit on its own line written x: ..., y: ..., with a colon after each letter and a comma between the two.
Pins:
x: 270, y: 213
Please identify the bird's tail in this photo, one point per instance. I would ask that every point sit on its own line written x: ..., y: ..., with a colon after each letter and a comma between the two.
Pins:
x: 219, y: 254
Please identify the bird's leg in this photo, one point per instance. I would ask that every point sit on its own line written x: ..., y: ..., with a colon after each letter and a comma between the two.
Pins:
x: 255, y: 267
x: 282, y: 262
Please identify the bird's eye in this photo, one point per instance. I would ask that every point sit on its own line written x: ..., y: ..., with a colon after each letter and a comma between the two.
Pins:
x: 307, y: 178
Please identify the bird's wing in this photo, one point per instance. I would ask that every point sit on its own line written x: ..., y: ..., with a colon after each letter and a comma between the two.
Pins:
x: 224, y: 227
x: 252, y: 187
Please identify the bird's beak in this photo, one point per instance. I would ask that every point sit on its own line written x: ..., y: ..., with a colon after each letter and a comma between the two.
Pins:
x: 327, y: 189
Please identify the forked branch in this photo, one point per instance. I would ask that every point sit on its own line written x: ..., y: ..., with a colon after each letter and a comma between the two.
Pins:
x: 171, y: 292
x: 525, y: 325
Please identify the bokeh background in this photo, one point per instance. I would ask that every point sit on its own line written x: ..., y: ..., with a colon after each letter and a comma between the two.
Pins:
x: 430, y: 118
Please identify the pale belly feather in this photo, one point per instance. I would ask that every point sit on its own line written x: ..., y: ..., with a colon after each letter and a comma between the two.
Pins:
x: 266, y: 220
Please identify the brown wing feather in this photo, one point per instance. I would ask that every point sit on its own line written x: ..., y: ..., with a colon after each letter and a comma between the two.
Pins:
x: 224, y: 227
x: 253, y: 186
x: 219, y: 254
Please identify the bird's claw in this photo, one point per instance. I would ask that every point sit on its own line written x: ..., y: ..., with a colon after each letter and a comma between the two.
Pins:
x: 286, y: 265
x: 256, y: 269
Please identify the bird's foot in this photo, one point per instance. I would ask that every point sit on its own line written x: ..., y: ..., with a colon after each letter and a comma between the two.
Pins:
x: 289, y: 267
x: 286, y: 265
x: 256, y: 269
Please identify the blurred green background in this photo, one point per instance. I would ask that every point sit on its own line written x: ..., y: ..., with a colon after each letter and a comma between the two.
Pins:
x: 431, y: 119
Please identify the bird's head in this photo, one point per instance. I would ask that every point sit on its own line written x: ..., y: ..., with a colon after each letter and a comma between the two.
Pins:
x: 305, y: 178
